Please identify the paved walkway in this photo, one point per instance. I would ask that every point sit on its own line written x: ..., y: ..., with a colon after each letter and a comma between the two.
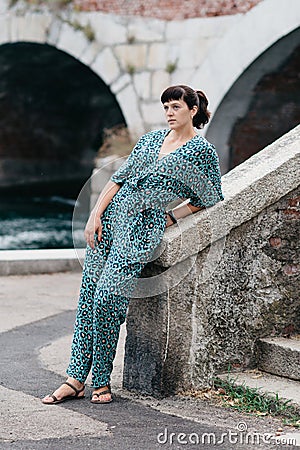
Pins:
x: 36, y: 320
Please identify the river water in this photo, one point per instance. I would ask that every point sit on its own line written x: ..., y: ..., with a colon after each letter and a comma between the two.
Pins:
x: 39, y: 222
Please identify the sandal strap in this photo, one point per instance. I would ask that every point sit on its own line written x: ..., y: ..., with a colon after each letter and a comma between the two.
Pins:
x: 108, y: 386
x: 54, y: 398
x: 77, y: 391
x: 98, y: 394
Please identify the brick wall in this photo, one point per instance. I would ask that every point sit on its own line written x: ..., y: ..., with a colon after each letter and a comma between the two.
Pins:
x: 168, y: 9
x: 274, y: 110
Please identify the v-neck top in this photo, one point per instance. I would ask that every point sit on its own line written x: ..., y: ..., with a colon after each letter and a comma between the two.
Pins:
x: 173, y: 151
x: 190, y: 171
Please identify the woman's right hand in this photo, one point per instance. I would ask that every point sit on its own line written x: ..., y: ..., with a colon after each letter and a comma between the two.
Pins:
x: 93, y: 226
x: 169, y: 221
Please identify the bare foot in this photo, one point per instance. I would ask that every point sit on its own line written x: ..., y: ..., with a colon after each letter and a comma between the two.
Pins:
x: 97, y: 397
x: 65, y: 391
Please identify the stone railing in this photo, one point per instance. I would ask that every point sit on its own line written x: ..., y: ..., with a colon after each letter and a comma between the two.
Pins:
x: 224, y: 278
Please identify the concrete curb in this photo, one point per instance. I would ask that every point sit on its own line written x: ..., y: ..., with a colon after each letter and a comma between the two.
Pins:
x: 25, y: 262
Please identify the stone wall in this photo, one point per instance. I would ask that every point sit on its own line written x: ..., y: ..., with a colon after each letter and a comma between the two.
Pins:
x: 242, y: 284
x: 137, y: 57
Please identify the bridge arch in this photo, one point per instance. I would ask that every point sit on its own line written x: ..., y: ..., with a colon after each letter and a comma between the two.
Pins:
x: 253, y: 34
x: 53, y: 110
x: 46, y: 28
x: 267, y: 34
x: 261, y: 106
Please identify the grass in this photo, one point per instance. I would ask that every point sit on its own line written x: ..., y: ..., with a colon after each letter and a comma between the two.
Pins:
x: 251, y: 400
x: 130, y: 69
x: 87, y: 30
x: 171, y: 67
x: 229, y: 394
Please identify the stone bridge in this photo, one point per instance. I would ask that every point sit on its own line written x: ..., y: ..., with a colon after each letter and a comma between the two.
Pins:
x: 137, y: 57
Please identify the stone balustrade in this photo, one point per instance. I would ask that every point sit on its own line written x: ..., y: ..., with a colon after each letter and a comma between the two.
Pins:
x: 224, y: 278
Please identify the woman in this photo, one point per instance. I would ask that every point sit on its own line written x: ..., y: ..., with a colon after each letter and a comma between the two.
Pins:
x: 127, y: 225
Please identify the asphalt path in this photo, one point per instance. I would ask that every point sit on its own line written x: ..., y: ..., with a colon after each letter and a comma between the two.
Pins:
x: 132, y: 421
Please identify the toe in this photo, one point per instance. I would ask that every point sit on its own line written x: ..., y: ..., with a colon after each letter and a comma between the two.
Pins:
x: 101, y: 398
x: 48, y: 399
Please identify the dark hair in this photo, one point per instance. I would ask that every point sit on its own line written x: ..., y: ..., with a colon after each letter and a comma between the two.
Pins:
x: 191, y: 98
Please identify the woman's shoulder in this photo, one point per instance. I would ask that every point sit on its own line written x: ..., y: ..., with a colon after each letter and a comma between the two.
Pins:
x: 204, y: 145
x: 153, y: 134
x: 199, y: 139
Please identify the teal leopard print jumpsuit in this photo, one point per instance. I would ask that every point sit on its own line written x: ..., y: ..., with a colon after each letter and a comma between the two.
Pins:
x: 133, y: 226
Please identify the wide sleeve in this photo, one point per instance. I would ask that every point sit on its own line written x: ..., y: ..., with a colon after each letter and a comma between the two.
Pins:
x: 129, y: 165
x: 202, y: 178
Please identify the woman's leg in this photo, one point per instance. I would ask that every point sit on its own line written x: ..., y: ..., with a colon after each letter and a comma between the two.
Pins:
x: 82, y: 344
x: 110, y: 306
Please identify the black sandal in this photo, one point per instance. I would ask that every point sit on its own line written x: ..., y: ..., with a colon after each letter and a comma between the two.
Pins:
x: 67, y: 397
x: 100, y: 394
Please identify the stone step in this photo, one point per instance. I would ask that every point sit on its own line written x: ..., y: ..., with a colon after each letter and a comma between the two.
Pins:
x: 267, y: 384
x: 280, y: 356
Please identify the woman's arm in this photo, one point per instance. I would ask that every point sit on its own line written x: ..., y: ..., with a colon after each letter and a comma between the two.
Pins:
x: 182, y: 211
x: 94, y: 222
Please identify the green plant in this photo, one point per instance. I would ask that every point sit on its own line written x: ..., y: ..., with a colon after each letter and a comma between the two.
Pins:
x: 86, y: 29
x: 252, y: 400
x: 131, y: 39
x: 89, y: 32
x: 171, y: 67
x: 130, y: 69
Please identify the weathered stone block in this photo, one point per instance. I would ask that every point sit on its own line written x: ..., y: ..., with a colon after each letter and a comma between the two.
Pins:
x: 151, y: 108
x: 35, y: 27
x: 146, y: 30
x: 90, y: 53
x: 108, y: 29
x: 123, y: 81
x: 54, y: 32
x: 4, y: 29
x: 132, y: 56
x: 131, y: 110
x: 279, y: 356
x: 71, y: 41
x: 160, y: 81
x: 142, y: 85
x: 106, y: 66
x: 158, y: 56
x: 16, y: 26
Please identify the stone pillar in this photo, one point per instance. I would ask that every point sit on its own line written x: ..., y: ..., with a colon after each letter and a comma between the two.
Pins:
x: 160, y: 345
x: 145, y: 346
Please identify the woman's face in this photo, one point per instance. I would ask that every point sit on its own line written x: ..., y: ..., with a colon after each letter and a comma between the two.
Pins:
x: 178, y: 114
